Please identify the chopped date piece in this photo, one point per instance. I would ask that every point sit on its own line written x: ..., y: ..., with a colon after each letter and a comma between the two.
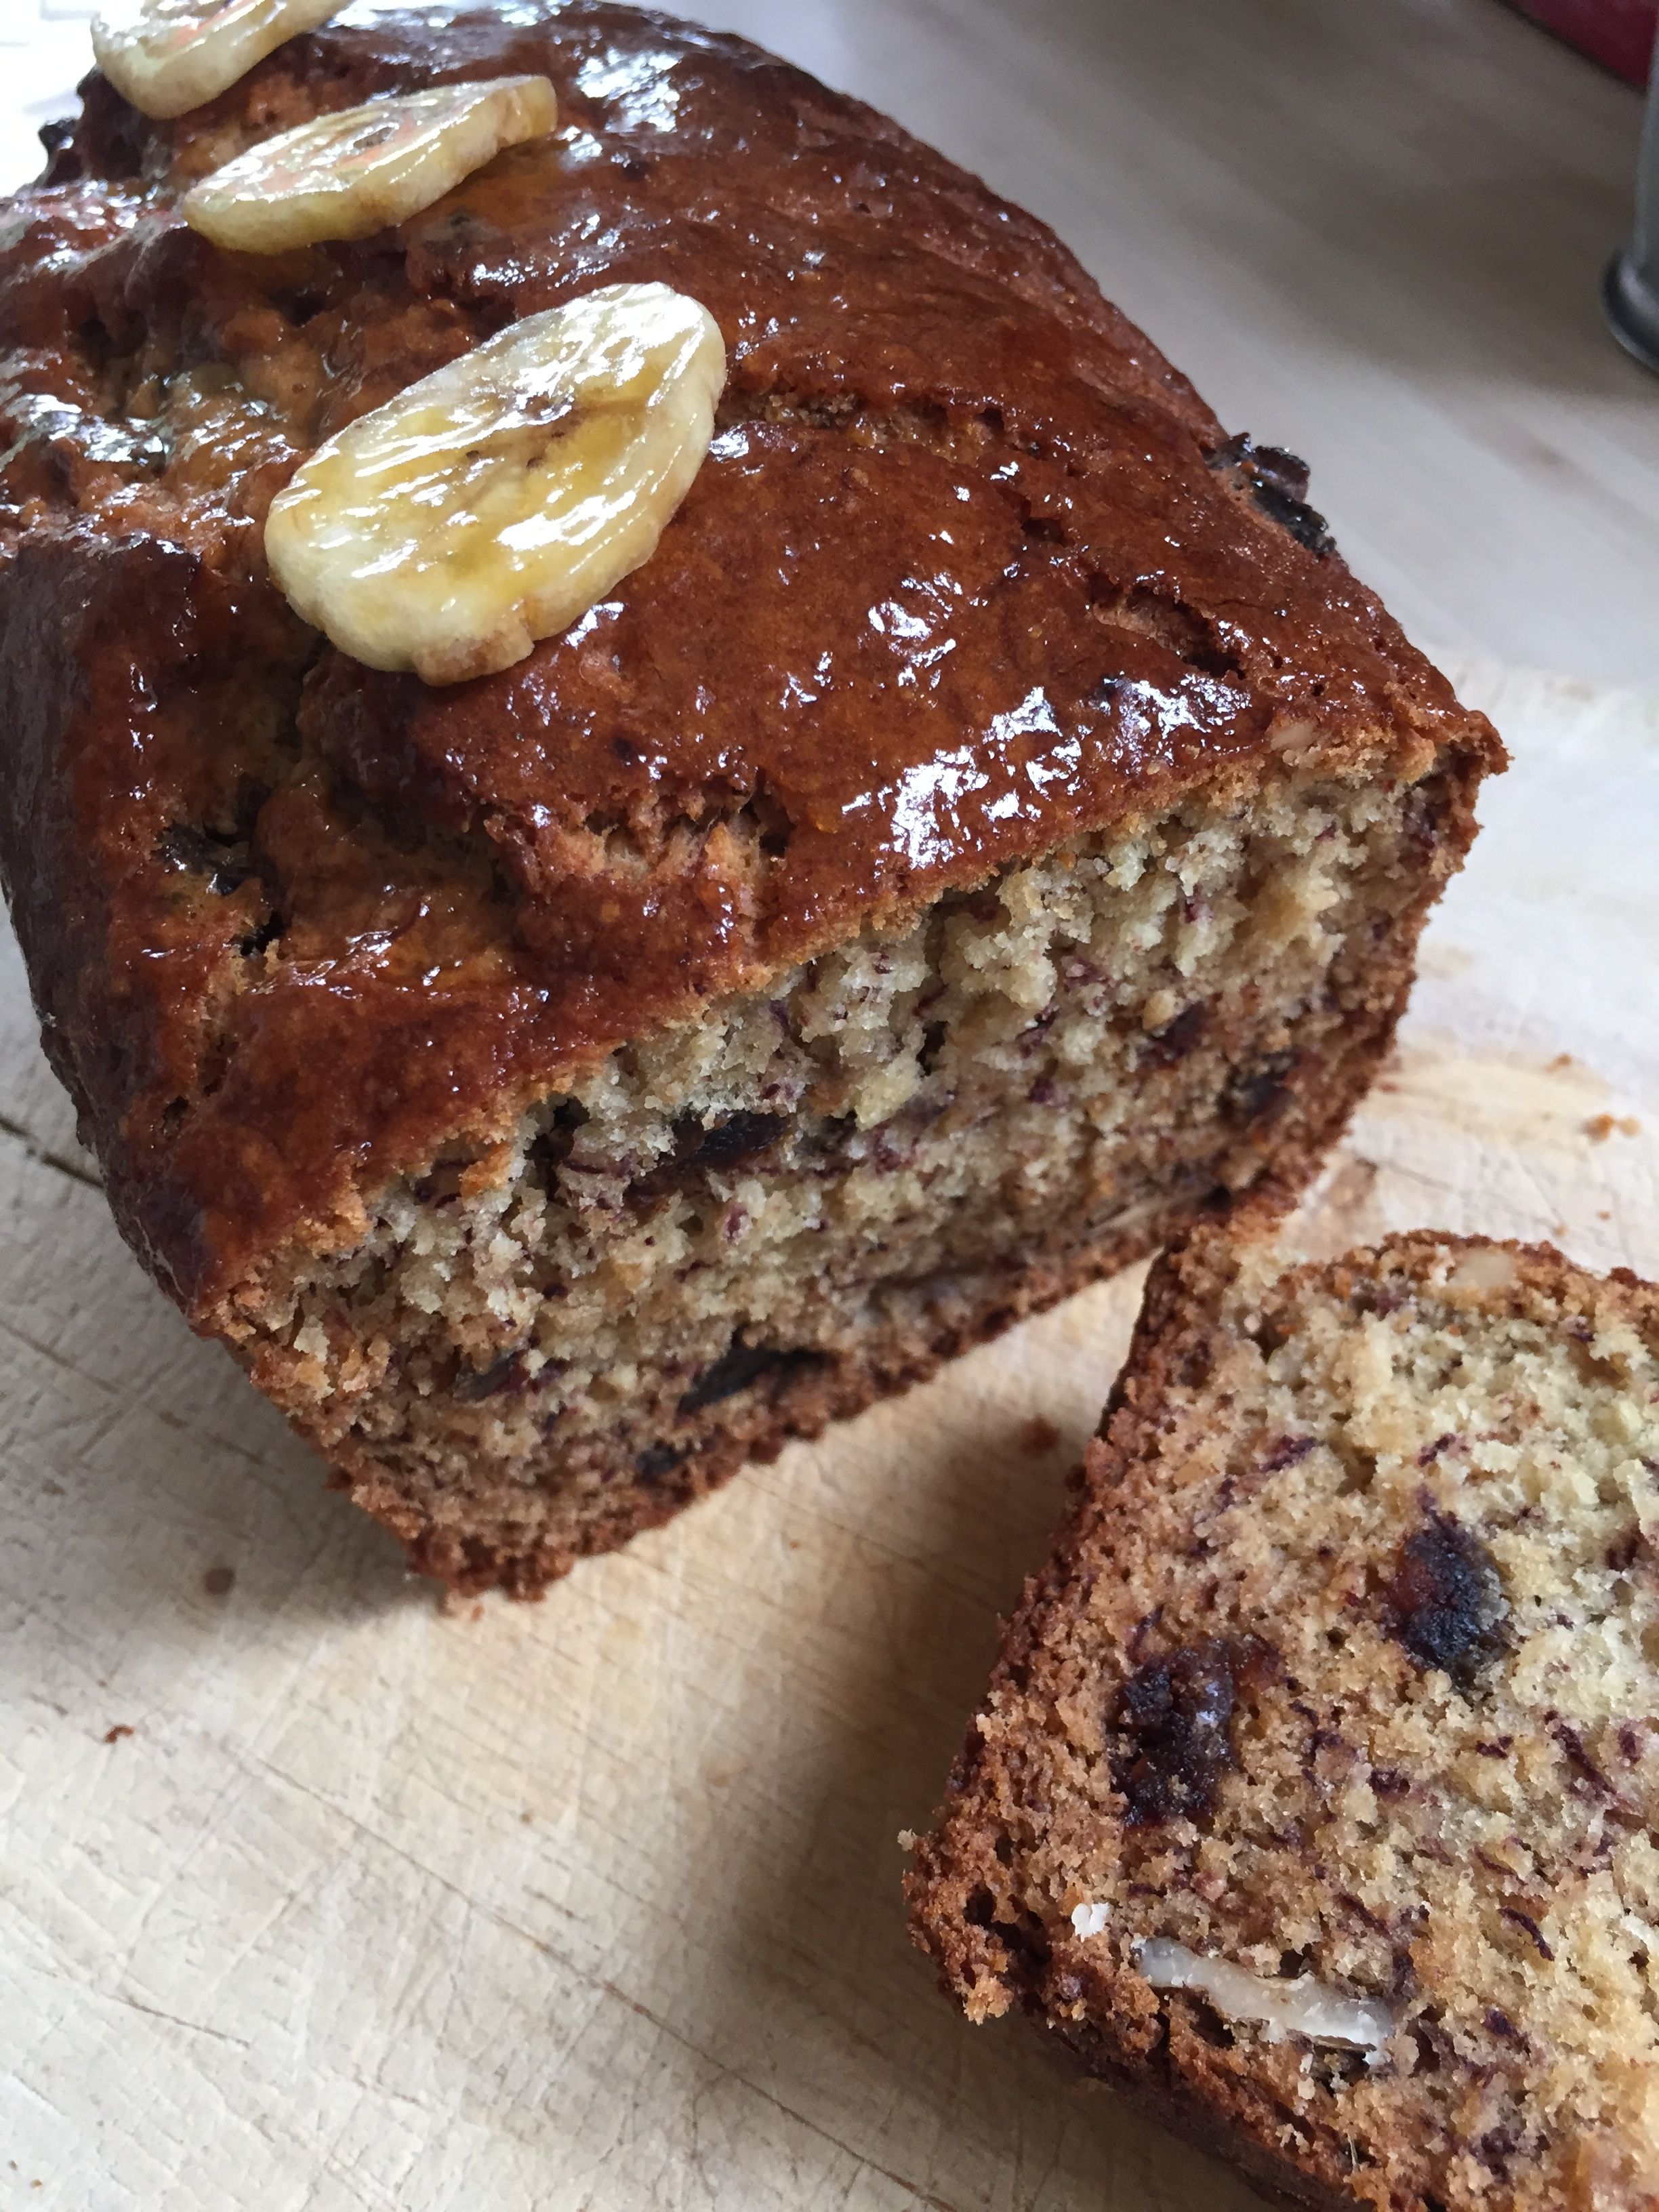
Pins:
x: 736, y: 1369
x: 1444, y: 1602
x: 1172, y: 1720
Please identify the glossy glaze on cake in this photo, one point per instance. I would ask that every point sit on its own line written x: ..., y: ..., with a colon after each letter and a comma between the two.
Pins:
x: 970, y: 579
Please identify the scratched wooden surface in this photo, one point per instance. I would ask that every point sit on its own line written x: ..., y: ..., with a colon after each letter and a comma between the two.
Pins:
x: 595, y: 1904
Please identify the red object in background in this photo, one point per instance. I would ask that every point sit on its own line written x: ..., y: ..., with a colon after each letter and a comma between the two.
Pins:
x: 1618, y: 34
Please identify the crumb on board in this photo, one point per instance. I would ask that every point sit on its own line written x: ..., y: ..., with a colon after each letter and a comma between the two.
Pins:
x: 115, y: 1735
x: 1600, y: 1127
x: 1562, y: 1059
x: 1355, y: 1179
x: 1038, y: 1436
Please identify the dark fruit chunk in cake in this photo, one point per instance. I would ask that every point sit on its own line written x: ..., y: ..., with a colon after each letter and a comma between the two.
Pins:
x: 1313, y: 1800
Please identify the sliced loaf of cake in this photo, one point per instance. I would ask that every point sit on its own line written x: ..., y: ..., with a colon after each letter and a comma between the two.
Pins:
x: 992, y: 829
x: 1313, y: 1797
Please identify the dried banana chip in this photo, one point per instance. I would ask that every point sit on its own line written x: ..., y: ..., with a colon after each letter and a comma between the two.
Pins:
x: 347, y: 175
x: 167, y: 56
x: 494, y: 502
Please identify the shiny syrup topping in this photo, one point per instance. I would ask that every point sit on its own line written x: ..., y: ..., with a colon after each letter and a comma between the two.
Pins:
x: 957, y: 582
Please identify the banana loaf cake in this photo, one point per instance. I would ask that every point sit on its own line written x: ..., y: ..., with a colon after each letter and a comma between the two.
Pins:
x: 1313, y: 1800
x: 991, y: 828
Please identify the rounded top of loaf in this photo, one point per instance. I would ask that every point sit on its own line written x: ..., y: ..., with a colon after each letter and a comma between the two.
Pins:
x: 969, y: 570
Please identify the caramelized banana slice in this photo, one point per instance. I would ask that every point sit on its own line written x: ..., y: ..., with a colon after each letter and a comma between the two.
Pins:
x: 494, y: 502
x: 166, y: 56
x: 345, y: 175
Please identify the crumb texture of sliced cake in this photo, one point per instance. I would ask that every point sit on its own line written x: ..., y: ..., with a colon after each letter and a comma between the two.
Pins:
x: 1313, y: 1800
x: 986, y: 828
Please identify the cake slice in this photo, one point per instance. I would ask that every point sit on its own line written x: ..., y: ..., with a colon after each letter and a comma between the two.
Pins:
x: 992, y: 829
x: 1312, y: 1801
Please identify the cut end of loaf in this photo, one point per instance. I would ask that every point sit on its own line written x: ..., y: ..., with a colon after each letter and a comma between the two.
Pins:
x: 753, y: 1223
x: 991, y: 830
x: 1313, y: 1800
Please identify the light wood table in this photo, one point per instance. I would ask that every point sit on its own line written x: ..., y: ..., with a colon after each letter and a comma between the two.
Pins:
x: 595, y: 1904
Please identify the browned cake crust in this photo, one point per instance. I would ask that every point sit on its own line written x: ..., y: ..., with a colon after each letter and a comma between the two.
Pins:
x: 970, y: 578
x: 1343, y: 1672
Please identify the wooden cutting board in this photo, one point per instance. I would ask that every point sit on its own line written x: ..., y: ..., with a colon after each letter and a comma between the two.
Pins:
x: 317, y: 1893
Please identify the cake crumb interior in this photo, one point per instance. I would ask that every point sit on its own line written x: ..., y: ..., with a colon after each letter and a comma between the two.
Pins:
x: 724, y: 1215
x: 1364, y: 1695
